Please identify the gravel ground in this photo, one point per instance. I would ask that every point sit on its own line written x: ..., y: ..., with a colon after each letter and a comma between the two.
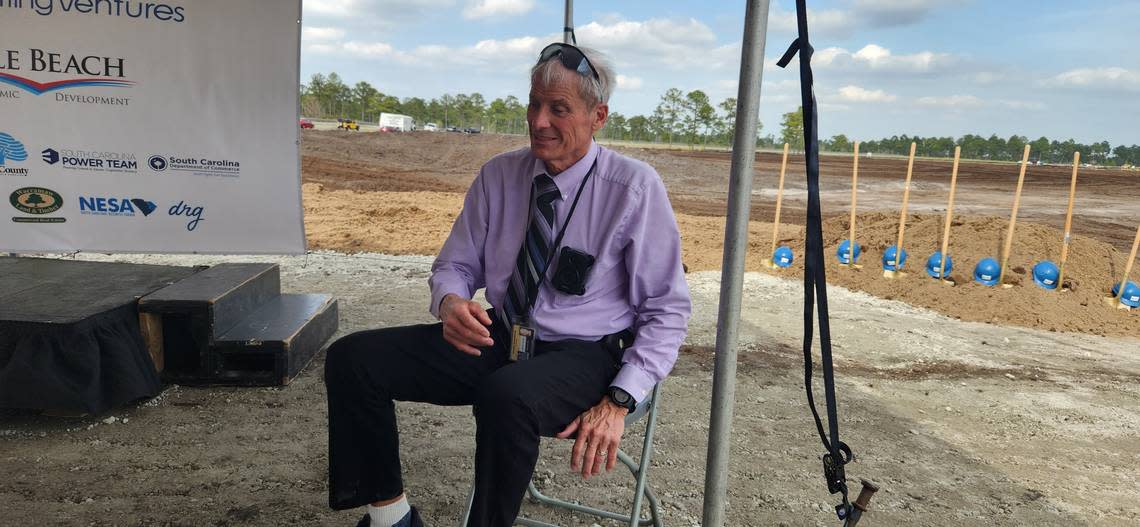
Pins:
x: 961, y: 423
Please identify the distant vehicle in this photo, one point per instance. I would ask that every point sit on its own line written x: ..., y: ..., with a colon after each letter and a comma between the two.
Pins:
x: 431, y: 127
x: 347, y: 124
x: 472, y: 130
x: 401, y: 123
x: 453, y: 129
x: 305, y: 123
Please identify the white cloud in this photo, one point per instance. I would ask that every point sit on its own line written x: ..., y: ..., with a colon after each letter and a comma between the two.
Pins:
x: 876, y: 58
x: 1021, y: 105
x: 852, y: 93
x: 324, y: 49
x: 489, y: 8
x: 828, y: 22
x: 678, y: 45
x: 864, y: 14
x: 336, y: 8
x: 322, y: 33
x: 369, y: 49
x: 628, y: 83
x: 951, y: 101
x: 887, y: 13
x: 1103, y: 79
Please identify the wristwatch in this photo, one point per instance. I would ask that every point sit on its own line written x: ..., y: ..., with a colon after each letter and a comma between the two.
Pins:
x: 622, y: 398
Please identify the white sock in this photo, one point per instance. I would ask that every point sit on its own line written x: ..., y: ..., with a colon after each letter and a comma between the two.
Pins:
x: 388, y: 515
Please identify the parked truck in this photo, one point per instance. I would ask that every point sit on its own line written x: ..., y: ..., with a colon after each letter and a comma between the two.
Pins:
x: 394, y: 122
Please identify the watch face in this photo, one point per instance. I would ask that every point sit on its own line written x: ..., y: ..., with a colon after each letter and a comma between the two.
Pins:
x: 620, y: 397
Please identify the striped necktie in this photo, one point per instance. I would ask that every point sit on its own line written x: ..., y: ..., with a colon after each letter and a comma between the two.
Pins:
x: 534, y: 255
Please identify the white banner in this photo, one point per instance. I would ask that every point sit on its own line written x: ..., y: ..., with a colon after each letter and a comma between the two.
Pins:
x: 150, y: 126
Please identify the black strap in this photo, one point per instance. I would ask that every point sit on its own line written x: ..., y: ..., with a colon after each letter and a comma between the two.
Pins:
x: 531, y: 297
x: 815, y: 281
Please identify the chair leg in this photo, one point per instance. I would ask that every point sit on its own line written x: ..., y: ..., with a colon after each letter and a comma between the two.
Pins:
x: 470, y: 502
x: 642, y: 492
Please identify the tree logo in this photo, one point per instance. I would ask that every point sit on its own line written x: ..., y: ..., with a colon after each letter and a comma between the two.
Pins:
x: 11, y: 149
x: 36, y: 200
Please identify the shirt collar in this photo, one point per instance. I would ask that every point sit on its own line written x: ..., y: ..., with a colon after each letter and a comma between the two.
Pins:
x: 568, y: 179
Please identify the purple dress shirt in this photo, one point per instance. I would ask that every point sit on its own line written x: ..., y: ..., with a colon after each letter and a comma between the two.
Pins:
x: 623, y: 218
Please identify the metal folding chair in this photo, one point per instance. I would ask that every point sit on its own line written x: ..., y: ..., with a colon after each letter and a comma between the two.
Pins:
x: 639, y: 470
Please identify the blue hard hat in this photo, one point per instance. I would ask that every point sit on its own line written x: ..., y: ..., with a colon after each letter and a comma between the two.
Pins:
x: 783, y: 256
x: 844, y: 249
x: 889, y: 259
x: 1045, y: 274
x: 987, y: 272
x: 1131, y: 296
x: 935, y: 262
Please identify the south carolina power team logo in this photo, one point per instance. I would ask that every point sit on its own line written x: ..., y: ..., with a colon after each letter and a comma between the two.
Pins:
x: 36, y: 200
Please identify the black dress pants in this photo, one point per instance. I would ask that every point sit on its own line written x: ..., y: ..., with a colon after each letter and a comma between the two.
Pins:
x: 515, y: 404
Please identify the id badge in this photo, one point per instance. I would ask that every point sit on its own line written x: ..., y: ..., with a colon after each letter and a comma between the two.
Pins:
x: 522, y: 342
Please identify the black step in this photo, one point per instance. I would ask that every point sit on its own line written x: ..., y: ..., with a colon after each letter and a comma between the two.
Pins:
x: 276, y: 342
x: 217, y: 298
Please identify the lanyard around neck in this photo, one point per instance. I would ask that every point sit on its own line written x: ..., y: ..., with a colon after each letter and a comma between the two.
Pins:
x: 532, y: 297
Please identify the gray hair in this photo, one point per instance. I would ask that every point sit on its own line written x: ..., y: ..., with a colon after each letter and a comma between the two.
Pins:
x: 593, y: 91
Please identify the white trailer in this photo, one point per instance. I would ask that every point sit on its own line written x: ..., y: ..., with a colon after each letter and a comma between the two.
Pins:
x: 397, y: 122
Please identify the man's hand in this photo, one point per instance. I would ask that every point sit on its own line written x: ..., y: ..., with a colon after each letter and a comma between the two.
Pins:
x: 599, y: 436
x: 465, y: 324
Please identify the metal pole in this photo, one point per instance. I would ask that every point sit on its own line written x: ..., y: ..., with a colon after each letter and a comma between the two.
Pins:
x: 732, y: 267
x: 568, y: 25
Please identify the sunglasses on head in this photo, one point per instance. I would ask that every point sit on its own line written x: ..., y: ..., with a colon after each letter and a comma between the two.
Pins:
x: 572, y: 58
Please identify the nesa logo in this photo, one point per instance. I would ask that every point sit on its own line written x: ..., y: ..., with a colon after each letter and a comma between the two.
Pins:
x: 101, y: 206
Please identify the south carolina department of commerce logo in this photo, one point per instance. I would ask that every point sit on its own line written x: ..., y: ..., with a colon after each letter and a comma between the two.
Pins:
x: 157, y: 163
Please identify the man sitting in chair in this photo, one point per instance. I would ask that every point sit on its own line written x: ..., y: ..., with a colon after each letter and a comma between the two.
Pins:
x: 576, y: 246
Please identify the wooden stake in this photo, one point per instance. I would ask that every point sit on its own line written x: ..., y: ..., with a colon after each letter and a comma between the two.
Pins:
x: 1013, y: 217
x: 1068, y: 222
x: 949, y: 214
x: 779, y: 201
x: 854, y: 194
x: 1128, y: 268
x: 902, y: 215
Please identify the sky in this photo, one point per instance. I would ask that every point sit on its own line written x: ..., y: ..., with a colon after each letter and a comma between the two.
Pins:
x: 1059, y: 69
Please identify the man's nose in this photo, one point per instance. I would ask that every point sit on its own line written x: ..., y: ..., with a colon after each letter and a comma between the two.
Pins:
x: 540, y: 118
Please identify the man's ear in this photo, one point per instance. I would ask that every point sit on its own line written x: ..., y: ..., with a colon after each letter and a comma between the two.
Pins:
x: 601, y: 113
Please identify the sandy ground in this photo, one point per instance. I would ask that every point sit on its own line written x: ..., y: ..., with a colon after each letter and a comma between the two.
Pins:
x: 960, y: 402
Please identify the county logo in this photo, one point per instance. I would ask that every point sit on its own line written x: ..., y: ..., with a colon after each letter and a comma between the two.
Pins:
x: 11, y: 149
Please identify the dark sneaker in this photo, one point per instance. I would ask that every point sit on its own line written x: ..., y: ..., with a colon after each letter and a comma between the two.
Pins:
x: 411, y: 519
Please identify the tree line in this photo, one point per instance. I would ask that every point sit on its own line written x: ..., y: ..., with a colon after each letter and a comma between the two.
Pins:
x: 683, y: 118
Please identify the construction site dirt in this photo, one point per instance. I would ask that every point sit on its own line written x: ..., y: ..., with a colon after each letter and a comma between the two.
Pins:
x: 968, y: 405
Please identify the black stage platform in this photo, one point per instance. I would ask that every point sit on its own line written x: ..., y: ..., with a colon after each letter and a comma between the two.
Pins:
x: 69, y: 333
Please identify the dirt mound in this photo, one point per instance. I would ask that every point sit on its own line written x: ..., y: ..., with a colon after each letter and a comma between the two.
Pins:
x: 419, y: 222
